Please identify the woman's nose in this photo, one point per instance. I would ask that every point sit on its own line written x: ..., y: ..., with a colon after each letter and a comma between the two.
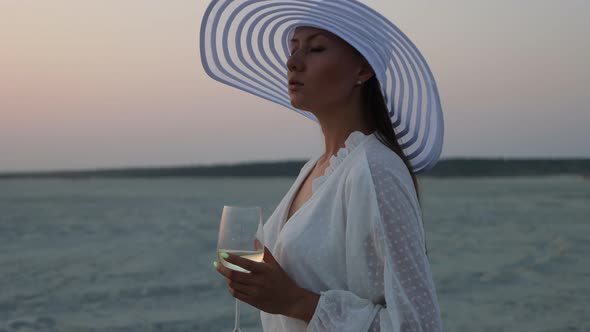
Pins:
x: 294, y: 63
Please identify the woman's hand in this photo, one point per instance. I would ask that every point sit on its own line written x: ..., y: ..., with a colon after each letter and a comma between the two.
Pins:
x: 268, y: 287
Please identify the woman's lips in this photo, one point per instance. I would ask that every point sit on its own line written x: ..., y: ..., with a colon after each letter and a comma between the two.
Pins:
x: 295, y: 86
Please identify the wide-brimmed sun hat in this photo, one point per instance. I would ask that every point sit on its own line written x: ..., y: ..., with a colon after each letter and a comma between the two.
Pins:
x: 245, y: 44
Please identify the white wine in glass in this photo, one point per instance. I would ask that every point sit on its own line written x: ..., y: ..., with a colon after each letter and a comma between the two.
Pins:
x: 253, y: 255
x: 240, y: 233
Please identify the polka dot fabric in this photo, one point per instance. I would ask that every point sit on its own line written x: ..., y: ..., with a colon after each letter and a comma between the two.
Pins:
x: 359, y: 243
x: 407, y: 275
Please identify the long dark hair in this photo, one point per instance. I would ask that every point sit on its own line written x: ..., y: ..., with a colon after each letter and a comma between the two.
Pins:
x: 377, y: 117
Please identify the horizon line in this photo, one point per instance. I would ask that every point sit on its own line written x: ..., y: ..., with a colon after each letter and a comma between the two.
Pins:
x: 254, y: 162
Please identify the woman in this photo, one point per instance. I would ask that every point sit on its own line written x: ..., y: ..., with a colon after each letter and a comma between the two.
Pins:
x: 345, y: 248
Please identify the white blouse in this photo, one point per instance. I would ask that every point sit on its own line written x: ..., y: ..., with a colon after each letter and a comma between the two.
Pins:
x: 359, y: 243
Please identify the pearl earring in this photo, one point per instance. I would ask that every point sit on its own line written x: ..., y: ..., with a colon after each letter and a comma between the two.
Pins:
x: 359, y: 82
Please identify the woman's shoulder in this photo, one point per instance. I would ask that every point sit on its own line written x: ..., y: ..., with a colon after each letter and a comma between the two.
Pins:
x: 379, y: 165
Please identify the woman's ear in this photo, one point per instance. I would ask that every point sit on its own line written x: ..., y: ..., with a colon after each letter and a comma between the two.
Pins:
x: 366, y: 71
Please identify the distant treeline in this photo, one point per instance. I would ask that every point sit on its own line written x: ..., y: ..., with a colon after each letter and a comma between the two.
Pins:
x: 509, y: 167
x: 444, y: 168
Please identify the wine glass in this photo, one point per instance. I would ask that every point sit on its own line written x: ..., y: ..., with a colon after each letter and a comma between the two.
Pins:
x: 241, y: 234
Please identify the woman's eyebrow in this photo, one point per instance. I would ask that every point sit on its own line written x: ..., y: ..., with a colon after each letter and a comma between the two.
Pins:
x: 309, y: 37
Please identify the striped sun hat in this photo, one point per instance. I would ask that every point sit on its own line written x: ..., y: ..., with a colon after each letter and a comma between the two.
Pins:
x: 245, y: 44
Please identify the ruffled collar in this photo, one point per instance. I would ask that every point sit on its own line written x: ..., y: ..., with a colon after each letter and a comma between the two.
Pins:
x: 352, y: 142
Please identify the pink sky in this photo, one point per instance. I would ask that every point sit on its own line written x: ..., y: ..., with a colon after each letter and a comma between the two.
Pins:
x: 119, y: 83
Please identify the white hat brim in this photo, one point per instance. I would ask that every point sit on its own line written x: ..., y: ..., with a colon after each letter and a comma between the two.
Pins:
x: 245, y: 44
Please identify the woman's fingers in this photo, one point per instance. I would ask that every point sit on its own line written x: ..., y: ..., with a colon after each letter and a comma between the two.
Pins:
x: 239, y: 277
x: 249, y: 290
x: 247, y: 264
x: 239, y: 295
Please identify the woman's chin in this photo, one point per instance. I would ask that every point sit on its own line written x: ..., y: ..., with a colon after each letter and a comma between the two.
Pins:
x: 296, y: 102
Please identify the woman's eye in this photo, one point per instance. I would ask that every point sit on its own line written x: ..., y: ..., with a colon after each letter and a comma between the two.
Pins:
x: 311, y: 50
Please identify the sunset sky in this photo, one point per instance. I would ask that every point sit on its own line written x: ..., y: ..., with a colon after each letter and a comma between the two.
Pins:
x: 119, y: 83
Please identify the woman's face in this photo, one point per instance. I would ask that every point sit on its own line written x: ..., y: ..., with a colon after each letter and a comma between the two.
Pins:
x: 326, y: 66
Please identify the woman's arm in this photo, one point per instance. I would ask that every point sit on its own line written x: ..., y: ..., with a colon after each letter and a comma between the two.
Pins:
x: 393, y: 260
x: 304, y: 305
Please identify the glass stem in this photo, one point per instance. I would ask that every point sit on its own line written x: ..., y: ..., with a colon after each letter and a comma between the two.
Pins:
x: 237, y: 327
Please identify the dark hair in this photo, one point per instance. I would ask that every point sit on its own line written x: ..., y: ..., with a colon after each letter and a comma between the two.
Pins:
x: 377, y: 117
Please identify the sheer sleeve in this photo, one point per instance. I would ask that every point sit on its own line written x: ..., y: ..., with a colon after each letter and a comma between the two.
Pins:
x: 395, y: 265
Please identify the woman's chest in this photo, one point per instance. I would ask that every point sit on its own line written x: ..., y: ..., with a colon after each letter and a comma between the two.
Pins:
x: 304, y: 192
x: 301, y: 196
x: 310, y: 247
